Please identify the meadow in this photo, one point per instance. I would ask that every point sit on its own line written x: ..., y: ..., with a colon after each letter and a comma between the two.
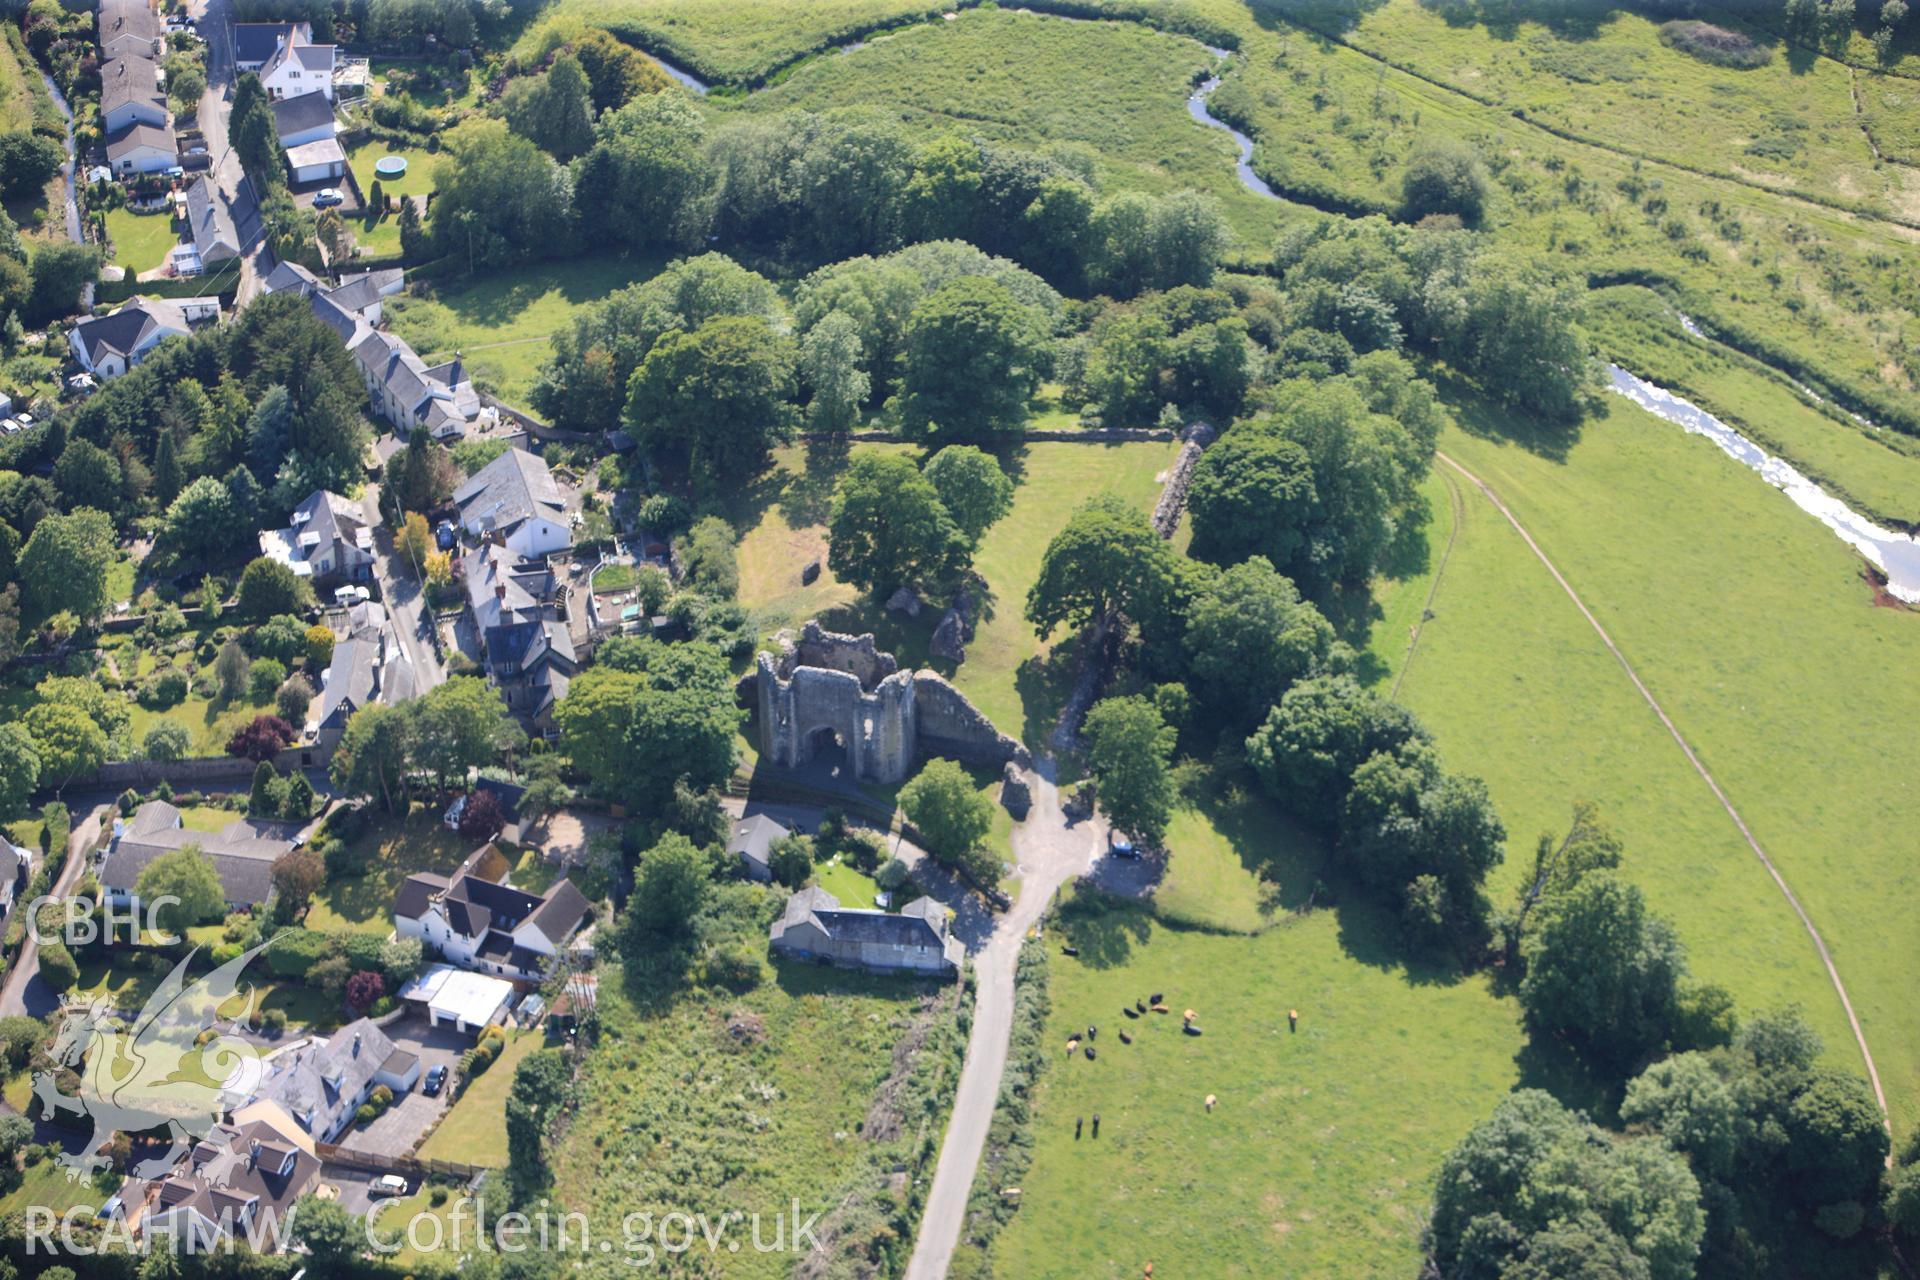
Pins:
x: 1028, y: 79
x: 713, y: 1103
x: 1753, y: 626
x: 501, y: 322
x: 1318, y: 1157
x: 1008, y: 672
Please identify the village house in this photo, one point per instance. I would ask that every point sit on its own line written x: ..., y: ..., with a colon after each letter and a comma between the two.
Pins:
x: 130, y: 94
x: 478, y: 923
x: 514, y: 498
x: 369, y: 665
x: 129, y: 28
x: 323, y: 1084
x: 752, y: 843
x: 815, y: 926
x: 242, y: 853
x: 298, y: 67
x: 255, y: 42
x: 210, y: 225
x: 235, y: 1182
x: 327, y: 537
x: 413, y: 396
x: 306, y: 129
x: 107, y: 346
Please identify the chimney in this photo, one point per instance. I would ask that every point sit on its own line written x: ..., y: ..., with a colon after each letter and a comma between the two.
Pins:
x: 500, y: 591
x: 356, y: 1044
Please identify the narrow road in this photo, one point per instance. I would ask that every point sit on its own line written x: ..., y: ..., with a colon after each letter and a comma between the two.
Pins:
x: 1740, y: 823
x: 24, y: 992
x: 214, y: 20
x: 405, y: 599
x: 1048, y: 853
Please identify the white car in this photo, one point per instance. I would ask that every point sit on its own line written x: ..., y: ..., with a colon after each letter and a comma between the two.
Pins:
x: 388, y: 1184
x: 25, y: 419
x: 352, y: 595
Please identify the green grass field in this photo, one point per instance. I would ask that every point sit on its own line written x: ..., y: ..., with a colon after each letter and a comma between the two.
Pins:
x: 1752, y: 625
x: 680, y: 1114
x: 1319, y: 1157
x: 1007, y: 673
x: 364, y: 903
x: 141, y: 241
x: 502, y: 323
x: 474, y: 1129
x: 1029, y: 79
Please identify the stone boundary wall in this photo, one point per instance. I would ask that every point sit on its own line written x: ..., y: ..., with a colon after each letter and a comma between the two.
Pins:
x: 194, y: 773
x: 1173, y: 498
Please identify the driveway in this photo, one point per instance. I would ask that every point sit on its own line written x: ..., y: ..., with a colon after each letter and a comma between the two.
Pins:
x: 215, y: 25
x: 413, y: 1114
x: 353, y: 1188
x: 24, y: 992
x: 405, y: 598
x: 1049, y: 853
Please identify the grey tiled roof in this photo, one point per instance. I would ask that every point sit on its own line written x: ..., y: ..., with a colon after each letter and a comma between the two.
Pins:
x: 513, y: 488
x: 297, y: 115
x: 128, y: 80
x: 214, y: 236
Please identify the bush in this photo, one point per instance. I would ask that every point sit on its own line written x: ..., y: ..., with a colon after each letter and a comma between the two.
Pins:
x: 1717, y: 45
x: 737, y: 965
x: 294, y: 952
x: 274, y: 1021
x: 265, y: 678
x: 664, y: 515
x: 365, y: 1114
x: 165, y: 688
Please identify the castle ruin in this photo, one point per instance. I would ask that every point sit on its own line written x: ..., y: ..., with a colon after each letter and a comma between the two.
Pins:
x: 827, y: 688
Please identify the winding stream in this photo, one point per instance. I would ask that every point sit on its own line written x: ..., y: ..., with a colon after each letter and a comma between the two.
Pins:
x: 1897, y: 555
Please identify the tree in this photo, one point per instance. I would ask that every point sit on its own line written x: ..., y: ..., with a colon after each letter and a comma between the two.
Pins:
x: 300, y: 798
x: 791, y: 861
x: 1443, y: 176
x: 1252, y: 494
x: 268, y: 792
x: 261, y: 738
x: 1603, y: 970
x: 1837, y: 1139
x: 169, y: 476
x: 334, y: 1239
x: 297, y: 876
x: 64, y: 565
x: 202, y: 522
x: 1536, y: 1182
x: 363, y: 989
x: 88, y: 476
x: 1306, y: 751
x: 319, y: 646
x: 1106, y: 557
x: 292, y: 698
x: 67, y: 741
x: 187, y: 874
x: 973, y: 358
x: 888, y: 527
x: 708, y: 560
x: 1589, y: 845
x: 501, y: 200
x: 58, y: 969
x: 371, y: 759
x: 1129, y: 748
x: 1686, y: 1100
x: 269, y: 587
x: 61, y: 270
x: 953, y: 818
x: 973, y: 488
x: 718, y: 396
x: 27, y: 161
x: 553, y: 111
x: 282, y: 638
x: 1252, y: 637
x: 252, y: 133
x: 830, y: 368
x: 19, y: 768
x: 232, y: 668
x: 482, y: 817
x: 670, y: 884
x: 457, y: 726
x: 542, y: 1084
x: 264, y: 679
x: 414, y: 542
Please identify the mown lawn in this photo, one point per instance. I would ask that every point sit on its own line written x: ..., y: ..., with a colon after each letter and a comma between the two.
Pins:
x: 44, y: 1185
x: 141, y: 241
x: 1319, y: 1158
x: 394, y: 850
x: 474, y: 1130
x: 681, y: 1114
x: 1751, y: 624
x: 502, y: 322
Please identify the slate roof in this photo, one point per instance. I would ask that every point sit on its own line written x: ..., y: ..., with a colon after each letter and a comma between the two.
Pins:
x: 321, y: 1085
x: 479, y: 909
x: 137, y: 135
x: 128, y: 329
x: 513, y: 488
x: 356, y: 295
x: 299, y: 114
x: 129, y: 80
x: 215, y: 238
x: 921, y: 925
x: 233, y: 1167
x: 311, y: 57
x: 753, y: 836
x: 369, y: 666
x: 256, y: 41
x: 242, y: 853
x: 127, y: 20
x: 417, y: 893
x: 291, y: 275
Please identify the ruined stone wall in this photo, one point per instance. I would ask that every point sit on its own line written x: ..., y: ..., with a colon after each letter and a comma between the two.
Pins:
x: 886, y: 725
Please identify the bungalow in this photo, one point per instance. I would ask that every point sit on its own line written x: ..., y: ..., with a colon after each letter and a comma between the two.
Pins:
x: 815, y: 926
x: 107, y: 346
x: 242, y: 853
x: 129, y: 28
x: 210, y: 224
x: 130, y: 94
x: 327, y: 537
x: 483, y: 925
x: 752, y: 843
x: 515, y: 499
x: 236, y: 1183
x: 323, y: 1084
x: 141, y: 148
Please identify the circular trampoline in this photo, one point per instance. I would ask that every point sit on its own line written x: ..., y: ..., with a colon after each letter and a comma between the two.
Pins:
x: 390, y: 166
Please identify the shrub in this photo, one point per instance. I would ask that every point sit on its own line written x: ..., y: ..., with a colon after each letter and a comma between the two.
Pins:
x: 381, y: 1096
x: 265, y: 677
x: 294, y: 952
x: 165, y: 688
x: 365, y: 1114
x: 664, y: 514
x: 1717, y: 45
x: 737, y: 965
x: 274, y: 1021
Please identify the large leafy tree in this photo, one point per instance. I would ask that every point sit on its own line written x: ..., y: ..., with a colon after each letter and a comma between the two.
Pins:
x: 889, y: 528
x: 554, y: 111
x: 1252, y: 494
x: 830, y: 367
x: 88, y: 476
x: 647, y: 715
x: 973, y: 358
x: 269, y: 587
x: 953, y: 817
x: 719, y: 395
x: 185, y: 874
x: 371, y: 759
x: 1306, y: 751
x: 500, y: 200
x: 1252, y: 637
x: 202, y: 522
x: 19, y: 768
x: 973, y: 488
x: 1106, y: 558
x: 64, y: 565
x: 1129, y: 751
x: 670, y: 883
x: 458, y: 726
x: 1604, y: 970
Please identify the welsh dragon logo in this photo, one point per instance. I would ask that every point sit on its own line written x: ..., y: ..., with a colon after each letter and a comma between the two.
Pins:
x: 155, y: 1072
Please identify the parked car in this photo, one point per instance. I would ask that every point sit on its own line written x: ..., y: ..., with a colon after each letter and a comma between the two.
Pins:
x: 1120, y: 846
x: 436, y: 1081
x: 388, y: 1184
x: 445, y: 535
x: 352, y: 595
x: 327, y: 197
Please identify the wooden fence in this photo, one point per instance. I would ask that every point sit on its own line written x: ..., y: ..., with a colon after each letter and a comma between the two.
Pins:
x: 377, y: 1162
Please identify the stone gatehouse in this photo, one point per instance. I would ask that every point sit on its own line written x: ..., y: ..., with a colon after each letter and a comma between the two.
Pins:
x: 827, y: 688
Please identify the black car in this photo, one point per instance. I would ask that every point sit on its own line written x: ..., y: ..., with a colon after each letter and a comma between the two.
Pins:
x: 436, y: 1081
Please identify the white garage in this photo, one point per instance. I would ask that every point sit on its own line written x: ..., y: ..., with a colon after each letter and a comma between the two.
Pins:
x: 468, y: 1002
